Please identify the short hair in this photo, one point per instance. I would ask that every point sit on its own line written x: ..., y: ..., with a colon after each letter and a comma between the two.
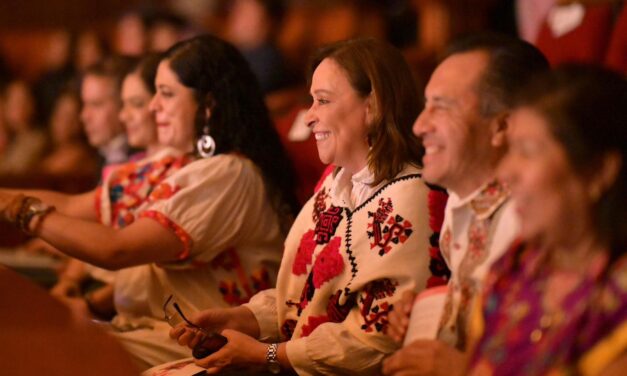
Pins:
x: 585, y: 108
x: 222, y: 80
x: 376, y: 68
x: 114, y: 67
x: 511, y: 64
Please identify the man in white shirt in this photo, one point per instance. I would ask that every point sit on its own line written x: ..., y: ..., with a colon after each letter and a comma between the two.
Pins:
x: 463, y: 128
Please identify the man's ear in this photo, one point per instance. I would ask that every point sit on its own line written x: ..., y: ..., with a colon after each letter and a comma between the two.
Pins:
x: 498, y: 129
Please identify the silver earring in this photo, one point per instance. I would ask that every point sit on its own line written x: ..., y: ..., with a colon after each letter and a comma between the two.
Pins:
x: 206, y: 145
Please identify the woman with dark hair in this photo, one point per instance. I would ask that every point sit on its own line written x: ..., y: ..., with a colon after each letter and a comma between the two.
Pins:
x: 210, y: 233
x: 358, y: 243
x: 557, y: 301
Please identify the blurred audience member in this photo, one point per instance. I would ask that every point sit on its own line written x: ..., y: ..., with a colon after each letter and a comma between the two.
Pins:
x: 90, y: 49
x: 70, y: 152
x: 556, y: 303
x: 27, y: 143
x: 100, y: 93
x: 164, y: 30
x: 252, y: 25
x: 130, y: 35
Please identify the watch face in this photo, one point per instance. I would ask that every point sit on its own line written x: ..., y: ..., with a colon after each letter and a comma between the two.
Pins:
x: 274, y: 367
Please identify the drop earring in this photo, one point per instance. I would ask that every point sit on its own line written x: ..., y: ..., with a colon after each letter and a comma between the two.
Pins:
x: 206, y: 145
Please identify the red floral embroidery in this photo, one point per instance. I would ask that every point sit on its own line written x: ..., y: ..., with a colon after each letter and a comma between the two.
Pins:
x: 329, y: 263
x: 170, y: 225
x: 231, y: 293
x: 304, y: 253
x: 387, y: 229
x: 312, y: 323
x: 163, y: 192
x: 337, y: 312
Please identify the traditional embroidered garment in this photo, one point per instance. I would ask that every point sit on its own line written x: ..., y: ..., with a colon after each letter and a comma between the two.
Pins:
x: 476, y: 232
x: 579, y: 329
x: 130, y: 184
x: 342, y: 271
x: 219, y: 209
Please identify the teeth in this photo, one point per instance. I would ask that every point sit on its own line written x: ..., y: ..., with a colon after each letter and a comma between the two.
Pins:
x: 321, y: 136
x: 431, y: 149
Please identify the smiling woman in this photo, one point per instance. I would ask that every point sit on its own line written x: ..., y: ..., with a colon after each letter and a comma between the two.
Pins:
x: 357, y: 244
x: 210, y: 233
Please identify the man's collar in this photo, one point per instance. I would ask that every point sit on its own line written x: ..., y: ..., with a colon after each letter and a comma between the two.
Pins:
x: 484, y: 201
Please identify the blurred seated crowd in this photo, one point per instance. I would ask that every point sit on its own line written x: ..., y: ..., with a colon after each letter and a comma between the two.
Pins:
x: 399, y: 187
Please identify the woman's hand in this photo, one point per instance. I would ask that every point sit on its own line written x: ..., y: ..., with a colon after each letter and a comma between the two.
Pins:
x: 241, y: 350
x: 425, y: 357
x: 216, y: 320
x: 399, y: 317
x: 10, y: 205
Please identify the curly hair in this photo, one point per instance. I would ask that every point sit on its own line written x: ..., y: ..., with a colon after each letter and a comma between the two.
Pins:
x: 223, y: 82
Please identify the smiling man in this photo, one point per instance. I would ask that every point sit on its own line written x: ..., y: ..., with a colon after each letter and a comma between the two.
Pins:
x: 463, y: 129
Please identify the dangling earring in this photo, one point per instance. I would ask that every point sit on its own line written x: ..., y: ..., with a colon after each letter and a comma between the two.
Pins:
x: 206, y: 145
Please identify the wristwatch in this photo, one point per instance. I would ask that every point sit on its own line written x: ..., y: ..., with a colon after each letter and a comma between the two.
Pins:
x: 271, y: 359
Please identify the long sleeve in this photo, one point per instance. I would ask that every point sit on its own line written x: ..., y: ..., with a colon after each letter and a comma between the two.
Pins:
x: 263, y: 306
x: 342, y: 272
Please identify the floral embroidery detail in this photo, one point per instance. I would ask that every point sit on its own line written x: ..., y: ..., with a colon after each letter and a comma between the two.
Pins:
x: 304, y: 253
x: 312, y: 323
x: 320, y: 204
x: 445, y: 243
x: 386, y: 228
x: 170, y: 225
x: 132, y: 184
x: 326, y: 226
x: 232, y: 291
x: 376, y: 314
x: 163, y: 192
x: 494, y: 194
x: 328, y: 265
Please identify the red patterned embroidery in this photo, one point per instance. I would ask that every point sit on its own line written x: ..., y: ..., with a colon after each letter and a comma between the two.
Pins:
x: 163, y: 191
x: 329, y: 263
x: 375, y: 315
x: 445, y: 243
x: 326, y: 226
x: 231, y: 291
x: 337, y: 312
x: 170, y: 225
x: 320, y: 204
x: 312, y: 323
x: 304, y: 253
x: 387, y: 229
